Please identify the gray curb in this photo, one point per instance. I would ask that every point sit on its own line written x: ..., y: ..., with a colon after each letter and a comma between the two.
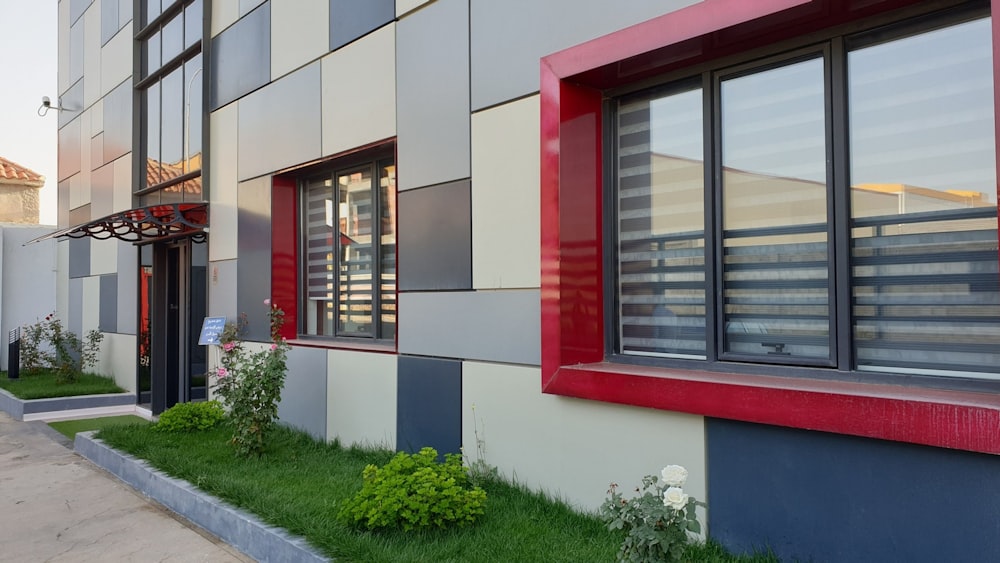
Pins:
x: 18, y: 408
x: 234, y: 526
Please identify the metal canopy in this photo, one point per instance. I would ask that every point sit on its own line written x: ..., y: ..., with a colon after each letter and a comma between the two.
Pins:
x: 143, y: 224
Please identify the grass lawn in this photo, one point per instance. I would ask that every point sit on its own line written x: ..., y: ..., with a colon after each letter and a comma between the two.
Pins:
x: 300, y: 484
x: 43, y: 385
x: 69, y: 428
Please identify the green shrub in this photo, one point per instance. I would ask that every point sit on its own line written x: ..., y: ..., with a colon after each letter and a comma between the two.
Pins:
x: 414, y: 491
x: 188, y: 417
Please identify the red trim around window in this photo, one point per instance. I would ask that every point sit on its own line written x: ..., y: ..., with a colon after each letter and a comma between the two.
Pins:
x: 284, y: 251
x: 572, y: 320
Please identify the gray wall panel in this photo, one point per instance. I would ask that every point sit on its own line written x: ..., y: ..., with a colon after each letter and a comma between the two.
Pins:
x: 221, y: 297
x: 128, y: 273
x: 432, y: 95
x: 69, y: 150
x: 75, y: 321
x: 435, y: 237
x: 303, y: 400
x: 124, y: 12
x: 429, y: 405
x: 350, y: 19
x: 102, y: 191
x: 109, y: 19
x: 108, y: 317
x: 63, y: 198
x: 241, y: 58
x: 77, y: 8
x: 253, y: 272
x: 76, y: 49
x: 118, y: 121
x: 279, y: 125
x: 72, y: 103
x: 497, y: 326
x: 509, y: 37
x: 247, y: 5
x: 79, y: 257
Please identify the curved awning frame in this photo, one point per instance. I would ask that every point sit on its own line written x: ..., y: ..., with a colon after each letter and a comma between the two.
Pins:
x: 143, y: 224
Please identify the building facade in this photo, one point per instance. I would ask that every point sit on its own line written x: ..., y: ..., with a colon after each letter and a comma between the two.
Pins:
x: 579, y: 240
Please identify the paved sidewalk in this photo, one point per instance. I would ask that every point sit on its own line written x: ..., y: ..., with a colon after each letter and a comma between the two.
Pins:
x: 56, y: 506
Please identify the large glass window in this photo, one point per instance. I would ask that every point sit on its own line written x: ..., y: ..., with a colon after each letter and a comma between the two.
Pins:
x: 349, y: 245
x: 833, y: 206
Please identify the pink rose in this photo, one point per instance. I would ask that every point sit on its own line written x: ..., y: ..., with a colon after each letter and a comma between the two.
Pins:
x: 267, y: 301
x: 274, y: 347
x: 222, y: 372
x: 228, y: 346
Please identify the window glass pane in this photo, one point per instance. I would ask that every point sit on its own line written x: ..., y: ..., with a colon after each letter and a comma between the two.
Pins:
x: 193, y: 17
x: 661, y: 239
x: 387, y: 296
x: 173, y: 37
x: 354, y: 215
x: 151, y: 104
x: 775, y: 250
x: 923, y: 199
x: 151, y: 47
x: 152, y: 10
x: 192, y: 113
x: 319, y: 255
x: 172, y: 123
x: 192, y: 190
x: 172, y: 194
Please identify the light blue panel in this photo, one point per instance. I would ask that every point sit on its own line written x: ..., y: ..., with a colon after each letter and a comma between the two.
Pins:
x: 432, y: 95
x: 109, y: 20
x: 509, y: 37
x: 241, y: 58
x: 118, y: 121
x: 77, y: 8
x: 108, y: 316
x: 221, y: 297
x: 128, y: 274
x: 79, y: 256
x: 75, y: 321
x: 253, y: 271
x: 247, y: 5
x: 494, y: 326
x: 303, y: 400
x: 279, y: 125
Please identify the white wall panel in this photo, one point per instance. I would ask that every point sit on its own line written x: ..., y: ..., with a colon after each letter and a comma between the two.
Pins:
x: 224, y: 14
x: 300, y: 32
x: 123, y: 183
x: 117, y: 359
x: 103, y: 257
x: 572, y: 448
x: 92, y: 55
x: 361, y: 398
x: 359, y: 92
x: 79, y: 190
x: 404, y: 6
x: 91, y: 304
x: 222, y: 179
x: 505, y: 197
x: 116, y: 59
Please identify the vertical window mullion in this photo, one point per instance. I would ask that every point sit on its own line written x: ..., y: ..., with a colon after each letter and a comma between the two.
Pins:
x: 841, y: 236
x: 376, y: 229
x: 712, y: 124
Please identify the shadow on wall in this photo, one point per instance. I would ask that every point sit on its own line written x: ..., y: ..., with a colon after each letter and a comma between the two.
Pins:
x: 27, y: 279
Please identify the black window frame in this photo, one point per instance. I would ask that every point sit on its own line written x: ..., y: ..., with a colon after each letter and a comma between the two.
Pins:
x: 834, y: 44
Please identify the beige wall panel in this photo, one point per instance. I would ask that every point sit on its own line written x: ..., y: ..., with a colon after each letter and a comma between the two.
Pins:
x: 91, y: 303
x: 63, y: 72
x: 300, y: 33
x: 92, y: 55
x: 62, y: 279
x: 359, y: 92
x: 224, y: 14
x: 116, y: 59
x: 361, y: 398
x: 404, y: 6
x: 118, y: 359
x: 505, y: 196
x: 79, y: 190
x: 222, y: 179
x: 104, y: 257
x: 572, y: 448
x: 123, y: 183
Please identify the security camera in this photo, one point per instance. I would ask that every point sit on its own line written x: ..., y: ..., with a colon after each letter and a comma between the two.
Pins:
x: 46, y: 102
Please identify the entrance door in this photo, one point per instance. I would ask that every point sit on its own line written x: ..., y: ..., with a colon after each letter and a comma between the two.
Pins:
x: 172, y: 305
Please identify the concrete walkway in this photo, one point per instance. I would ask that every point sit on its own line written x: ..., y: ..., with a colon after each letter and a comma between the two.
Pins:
x: 56, y: 506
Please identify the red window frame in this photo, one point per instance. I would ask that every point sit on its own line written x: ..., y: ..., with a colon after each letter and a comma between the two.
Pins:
x: 572, y: 284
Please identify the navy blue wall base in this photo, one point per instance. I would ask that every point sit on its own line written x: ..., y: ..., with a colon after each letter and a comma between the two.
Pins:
x: 812, y: 496
x: 429, y: 405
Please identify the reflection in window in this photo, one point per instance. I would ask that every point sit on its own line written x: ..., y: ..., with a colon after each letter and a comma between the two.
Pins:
x: 923, y: 202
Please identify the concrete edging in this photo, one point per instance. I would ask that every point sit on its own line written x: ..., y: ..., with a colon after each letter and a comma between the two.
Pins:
x: 19, y: 408
x: 234, y: 526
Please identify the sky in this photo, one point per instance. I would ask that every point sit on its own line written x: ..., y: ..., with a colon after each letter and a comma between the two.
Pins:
x: 28, y: 71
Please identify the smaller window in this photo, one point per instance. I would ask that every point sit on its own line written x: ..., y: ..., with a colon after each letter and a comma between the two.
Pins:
x: 349, y: 249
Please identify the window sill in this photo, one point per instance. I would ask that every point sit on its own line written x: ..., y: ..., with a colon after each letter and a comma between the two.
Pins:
x: 374, y: 347
x: 955, y: 419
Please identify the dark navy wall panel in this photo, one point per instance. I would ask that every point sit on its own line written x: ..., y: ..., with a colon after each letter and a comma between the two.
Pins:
x: 253, y: 269
x: 434, y: 234
x: 108, y: 317
x: 79, y: 256
x: 350, y: 19
x: 241, y: 58
x: 812, y: 496
x: 429, y: 404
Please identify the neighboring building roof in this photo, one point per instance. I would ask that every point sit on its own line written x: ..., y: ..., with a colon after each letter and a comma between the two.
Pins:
x: 14, y: 173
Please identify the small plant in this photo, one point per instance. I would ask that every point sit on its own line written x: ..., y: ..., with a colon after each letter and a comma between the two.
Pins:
x: 190, y: 417
x: 414, y: 491
x: 250, y: 383
x: 657, y: 521
x: 32, y: 357
x: 63, y: 351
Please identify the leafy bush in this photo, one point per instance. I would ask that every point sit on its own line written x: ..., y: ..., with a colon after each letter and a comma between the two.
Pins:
x: 189, y: 417
x: 414, y: 491
x: 64, y: 353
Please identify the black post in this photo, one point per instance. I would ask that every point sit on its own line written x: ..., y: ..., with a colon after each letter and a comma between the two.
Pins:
x: 14, y: 353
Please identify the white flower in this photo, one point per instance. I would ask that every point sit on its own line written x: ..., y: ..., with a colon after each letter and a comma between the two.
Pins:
x: 674, y: 475
x: 675, y: 498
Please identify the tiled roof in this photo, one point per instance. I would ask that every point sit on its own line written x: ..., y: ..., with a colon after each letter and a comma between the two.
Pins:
x: 14, y: 173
